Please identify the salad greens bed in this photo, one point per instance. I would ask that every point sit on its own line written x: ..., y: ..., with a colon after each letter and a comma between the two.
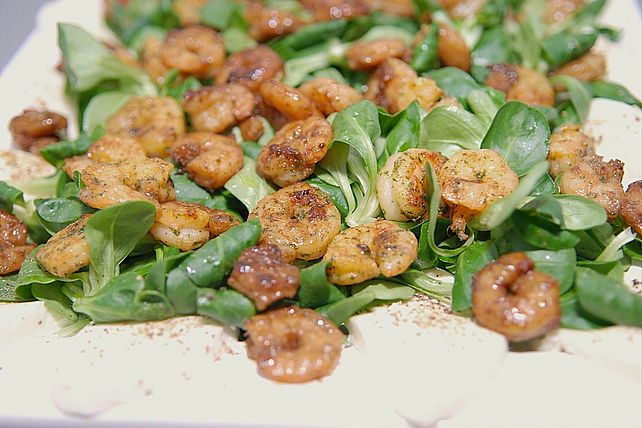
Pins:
x: 133, y: 277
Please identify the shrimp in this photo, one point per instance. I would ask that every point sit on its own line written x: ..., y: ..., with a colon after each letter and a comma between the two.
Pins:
x: 188, y: 11
x: 595, y: 179
x: 589, y: 67
x: 561, y: 10
x: 182, y: 225
x: 632, y: 206
x: 293, y: 345
x: 567, y: 146
x: 395, y: 85
x: 108, y: 184
x: 267, y: 23
x: 287, y: 100
x: 299, y: 219
x: 326, y: 10
x: 155, y: 122
x: 251, y: 67
x: 150, y: 57
x: 369, y: 250
x: 13, y: 243
x: 261, y: 274
x: 512, y: 298
x: 67, y: 251
x: 220, y: 221
x: 368, y: 55
x: 392, y: 7
x: 462, y: 9
x: 329, y: 95
x: 291, y: 155
x: 106, y: 149
x: 252, y: 128
x: 209, y: 159
x: 196, y: 50
x: 217, y: 108
x: 401, y: 185
x: 31, y: 126
x: 471, y: 180
x: 521, y: 84
x: 452, y: 49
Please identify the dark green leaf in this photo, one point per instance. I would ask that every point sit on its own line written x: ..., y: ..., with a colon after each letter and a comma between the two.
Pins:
x: 580, y: 96
x: 614, y: 91
x: 315, y: 290
x: 57, y: 213
x: 424, y: 56
x: 559, y: 264
x: 54, y: 299
x: 56, y: 153
x: 575, y: 317
x: 564, y: 46
x: 229, y: 307
x: 471, y: 261
x: 9, y: 196
x: 455, y: 82
x: 542, y: 234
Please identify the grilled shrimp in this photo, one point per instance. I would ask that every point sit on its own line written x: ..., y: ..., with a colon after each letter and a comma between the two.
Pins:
x: 251, y: 67
x: 452, y: 49
x: 182, y: 225
x: 512, y: 298
x: 392, y: 7
x: 287, y: 100
x: 220, y: 221
x: 107, y: 149
x: 13, y: 243
x: 325, y: 10
x: 401, y: 185
x: 369, y: 250
x: 462, y: 9
x: 267, y: 23
x: 561, y: 10
x: 329, y: 95
x: 293, y: 345
x: 252, y: 128
x: 209, y: 159
x: 299, y: 219
x: 196, y: 50
x: 30, y: 128
x: 595, y: 179
x: 395, y: 85
x: 291, y: 155
x: 368, y: 55
x: 261, y: 274
x: 521, y: 84
x: 150, y: 58
x: 188, y: 11
x: 632, y: 206
x: 155, y: 122
x: 67, y: 251
x: 589, y: 67
x: 567, y: 146
x: 108, y: 184
x: 471, y: 180
x: 217, y: 108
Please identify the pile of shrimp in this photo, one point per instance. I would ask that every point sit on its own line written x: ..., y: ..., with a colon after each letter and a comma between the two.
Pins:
x: 151, y: 136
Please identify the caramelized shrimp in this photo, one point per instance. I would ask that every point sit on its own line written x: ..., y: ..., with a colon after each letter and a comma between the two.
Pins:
x: 196, y: 50
x: 182, y: 225
x: 369, y: 250
x: 589, y: 67
x: 632, y: 206
x: 13, y: 243
x: 251, y: 67
x: 512, y: 298
x: 107, y: 149
x: 567, y: 146
x: 150, y: 57
x: 452, y: 49
x: 326, y: 10
x: 595, y: 179
x: 262, y: 275
x: 287, y: 100
x: 108, y: 184
x: 291, y: 155
x: 209, y: 159
x: 299, y: 219
x: 471, y: 180
x: 329, y: 95
x: 252, y: 128
x: 67, y: 251
x: 370, y: 54
x: 401, y: 185
x: 267, y: 23
x: 395, y: 85
x: 293, y: 345
x: 561, y: 10
x: 521, y: 84
x: 217, y: 108
x: 30, y: 128
x: 155, y: 122
x: 188, y: 11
